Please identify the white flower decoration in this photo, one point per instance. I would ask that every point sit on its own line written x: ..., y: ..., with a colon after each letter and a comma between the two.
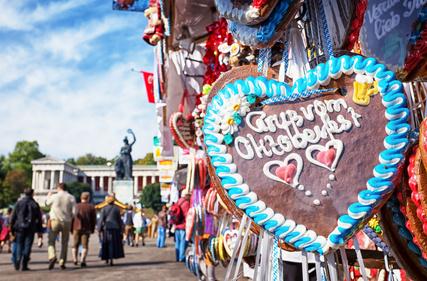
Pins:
x: 239, y: 103
x: 228, y: 124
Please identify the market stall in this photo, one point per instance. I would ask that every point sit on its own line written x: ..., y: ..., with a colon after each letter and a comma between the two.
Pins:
x: 302, y: 126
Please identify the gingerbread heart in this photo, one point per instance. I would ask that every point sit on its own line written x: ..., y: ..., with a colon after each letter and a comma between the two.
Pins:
x: 183, y: 130
x: 348, y: 163
x: 249, y: 13
x: 268, y: 31
x: 386, y: 33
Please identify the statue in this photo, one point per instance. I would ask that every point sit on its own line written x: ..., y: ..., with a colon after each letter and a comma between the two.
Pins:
x: 124, y: 163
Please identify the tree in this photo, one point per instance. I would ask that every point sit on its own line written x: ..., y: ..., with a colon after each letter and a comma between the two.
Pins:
x: 20, y: 158
x: 77, y: 188
x: 88, y: 159
x: 11, y: 188
x: 147, y: 160
x: 150, y: 197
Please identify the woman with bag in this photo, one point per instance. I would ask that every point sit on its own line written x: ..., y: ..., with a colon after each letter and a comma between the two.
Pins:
x: 110, y: 227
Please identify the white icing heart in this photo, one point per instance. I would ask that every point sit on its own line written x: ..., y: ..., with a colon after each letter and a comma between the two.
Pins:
x: 337, y: 144
x: 291, y: 157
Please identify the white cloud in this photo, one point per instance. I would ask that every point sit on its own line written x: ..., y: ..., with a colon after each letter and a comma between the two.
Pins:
x: 15, y: 15
x: 46, y: 96
x: 91, y: 117
x: 74, y: 43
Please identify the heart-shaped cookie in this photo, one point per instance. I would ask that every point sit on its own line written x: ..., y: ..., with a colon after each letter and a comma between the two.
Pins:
x: 267, y: 32
x: 230, y: 239
x: 249, y: 13
x: 386, y: 32
x: 341, y: 187
x: 183, y: 130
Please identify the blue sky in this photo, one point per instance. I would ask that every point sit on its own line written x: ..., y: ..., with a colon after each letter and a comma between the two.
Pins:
x: 66, y: 80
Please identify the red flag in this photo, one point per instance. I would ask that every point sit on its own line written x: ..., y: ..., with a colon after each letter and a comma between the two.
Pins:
x: 149, y: 85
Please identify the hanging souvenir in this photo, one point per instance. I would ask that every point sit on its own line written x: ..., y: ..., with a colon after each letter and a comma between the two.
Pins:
x: 397, y: 235
x: 154, y: 31
x: 250, y: 13
x: 386, y: 33
x: 415, y: 62
x: 284, y: 157
x: 182, y: 127
x: 270, y: 30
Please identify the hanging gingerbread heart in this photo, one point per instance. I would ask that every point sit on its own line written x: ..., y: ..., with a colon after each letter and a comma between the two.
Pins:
x: 386, y: 31
x: 267, y: 32
x: 399, y: 238
x: 183, y: 130
x: 327, y: 157
x: 250, y: 13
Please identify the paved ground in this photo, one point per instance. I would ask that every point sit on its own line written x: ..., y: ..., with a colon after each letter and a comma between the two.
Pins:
x: 143, y: 263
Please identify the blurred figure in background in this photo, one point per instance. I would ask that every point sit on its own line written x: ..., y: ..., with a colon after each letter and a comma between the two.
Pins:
x: 83, y: 225
x: 128, y: 222
x: 178, y: 213
x: 5, y: 237
x: 62, y: 205
x: 26, y: 220
x: 140, y: 223
x: 110, y: 227
x: 161, y: 231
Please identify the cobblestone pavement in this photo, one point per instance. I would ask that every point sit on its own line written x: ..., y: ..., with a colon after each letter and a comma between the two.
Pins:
x: 143, y: 263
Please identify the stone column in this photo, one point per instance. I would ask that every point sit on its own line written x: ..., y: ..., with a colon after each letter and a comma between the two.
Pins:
x: 135, y: 188
x: 61, y: 176
x: 34, y: 181
x: 93, y: 184
x: 144, y: 181
x: 84, y: 179
x: 43, y: 181
x: 101, y: 183
x: 52, y: 179
x: 110, y: 185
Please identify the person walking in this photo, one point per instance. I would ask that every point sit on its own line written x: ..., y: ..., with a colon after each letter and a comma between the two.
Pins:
x: 5, y: 237
x: 178, y: 213
x: 140, y: 224
x: 128, y: 222
x: 26, y: 220
x: 161, y: 231
x: 83, y: 225
x: 62, y: 205
x: 110, y: 228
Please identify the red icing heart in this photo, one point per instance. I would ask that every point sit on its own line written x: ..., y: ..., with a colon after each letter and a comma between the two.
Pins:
x: 326, y: 157
x: 286, y: 173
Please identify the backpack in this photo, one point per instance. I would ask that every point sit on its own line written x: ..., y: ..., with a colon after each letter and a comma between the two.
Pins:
x: 176, y: 214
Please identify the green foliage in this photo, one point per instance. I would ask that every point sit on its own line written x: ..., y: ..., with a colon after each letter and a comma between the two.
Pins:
x: 88, y: 159
x: 20, y: 158
x: 16, y: 171
x: 150, y: 197
x: 77, y: 188
x: 12, y: 186
x: 147, y: 160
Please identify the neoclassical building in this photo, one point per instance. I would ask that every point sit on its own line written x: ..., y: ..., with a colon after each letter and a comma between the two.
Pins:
x: 48, y: 172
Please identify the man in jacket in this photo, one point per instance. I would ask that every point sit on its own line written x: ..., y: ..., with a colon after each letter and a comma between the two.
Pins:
x: 25, y: 222
x: 83, y: 225
x: 180, y: 242
x: 62, y: 205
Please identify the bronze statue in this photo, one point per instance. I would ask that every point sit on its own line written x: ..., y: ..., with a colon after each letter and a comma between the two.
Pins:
x: 124, y: 163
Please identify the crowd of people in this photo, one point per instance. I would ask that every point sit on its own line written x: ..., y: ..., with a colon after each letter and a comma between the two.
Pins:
x: 115, y: 227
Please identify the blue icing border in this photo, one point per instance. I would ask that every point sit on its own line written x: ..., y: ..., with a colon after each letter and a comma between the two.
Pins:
x: 263, y: 32
x: 377, y: 187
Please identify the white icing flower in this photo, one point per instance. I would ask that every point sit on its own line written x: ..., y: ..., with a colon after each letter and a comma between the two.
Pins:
x: 228, y: 124
x: 239, y: 103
